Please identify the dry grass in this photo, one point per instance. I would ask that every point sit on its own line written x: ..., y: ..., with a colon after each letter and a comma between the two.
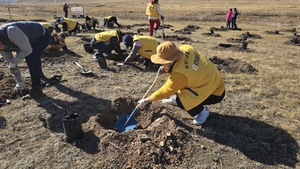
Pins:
x: 272, y: 96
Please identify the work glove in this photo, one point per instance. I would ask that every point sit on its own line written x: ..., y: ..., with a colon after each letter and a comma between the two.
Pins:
x: 142, y: 103
x: 20, y: 89
x: 13, y: 68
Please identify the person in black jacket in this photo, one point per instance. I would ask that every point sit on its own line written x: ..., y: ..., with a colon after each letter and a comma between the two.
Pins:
x: 235, y: 15
x: 90, y: 23
x: 28, y: 39
x: 109, y: 22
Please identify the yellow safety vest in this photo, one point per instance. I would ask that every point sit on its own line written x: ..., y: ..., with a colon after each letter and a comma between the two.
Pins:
x: 55, y: 46
x: 203, y: 77
x: 152, y: 10
x: 105, y: 36
x: 149, y: 45
x: 71, y: 23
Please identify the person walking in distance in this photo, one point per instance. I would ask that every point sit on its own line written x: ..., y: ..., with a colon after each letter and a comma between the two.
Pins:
x: 154, y: 15
x: 66, y: 9
x: 193, y: 82
x: 28, y: 39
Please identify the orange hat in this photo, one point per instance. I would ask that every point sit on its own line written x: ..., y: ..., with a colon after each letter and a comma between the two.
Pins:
x: 167, y: 52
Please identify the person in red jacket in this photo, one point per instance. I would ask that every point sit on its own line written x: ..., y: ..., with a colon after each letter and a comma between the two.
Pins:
x: 193, y: 82
x: 66, y: 9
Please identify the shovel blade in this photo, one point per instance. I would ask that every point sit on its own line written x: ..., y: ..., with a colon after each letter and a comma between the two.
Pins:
x: 121, y: 124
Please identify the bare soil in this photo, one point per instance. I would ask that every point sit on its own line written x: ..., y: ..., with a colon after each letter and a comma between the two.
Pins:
x: 163, y: 138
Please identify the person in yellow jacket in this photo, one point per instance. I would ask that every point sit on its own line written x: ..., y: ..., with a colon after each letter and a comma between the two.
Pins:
x: 49, y: 25
x: 69, y: 26
x: 105, y: 42
x: 193, y: 82
x: 57, y: 42
x: 90, y: 23
x: 140, y: 45
x: 154, y: 15
x: 109, y: 22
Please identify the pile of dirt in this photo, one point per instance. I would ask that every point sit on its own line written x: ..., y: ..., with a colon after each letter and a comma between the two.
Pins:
x: 233, y: 66
x: 222, y: 28
x: 249, y: 35
x: 231, y: 47
x: 276, y: 32
x: 176, y: 38
x: 293, y: 41
x: 187, y: 30
x: 211, y: 34
x: 238, y: 40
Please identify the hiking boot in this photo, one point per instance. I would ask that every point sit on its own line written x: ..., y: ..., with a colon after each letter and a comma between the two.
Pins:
x: 171, y: 100
x: 33, y: 93
x: 201, y: 117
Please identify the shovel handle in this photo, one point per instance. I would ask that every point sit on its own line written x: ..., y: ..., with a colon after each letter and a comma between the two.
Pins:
x: 79, y: 66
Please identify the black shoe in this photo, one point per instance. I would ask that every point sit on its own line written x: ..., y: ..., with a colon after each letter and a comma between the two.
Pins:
x: 33, y: 93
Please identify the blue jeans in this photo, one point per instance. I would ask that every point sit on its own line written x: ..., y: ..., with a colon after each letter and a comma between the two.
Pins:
x: 102, y: 47
x: 33, y: 60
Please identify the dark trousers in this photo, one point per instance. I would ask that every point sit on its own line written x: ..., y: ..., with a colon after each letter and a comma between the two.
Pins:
x: 66, y: 13
x: 212, y: 99
x: 33, y: 60
x: 103, y: 47
x: 233, y: 23
x: 228, y: 24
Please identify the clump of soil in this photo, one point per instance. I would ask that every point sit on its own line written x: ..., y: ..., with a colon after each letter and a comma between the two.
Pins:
x: 238, y: 40
x: 187, y: 30
x: 211, y: 34
x: 222, y: 28
x: 249, y: 35
x: 176, y: 38
x: 233, y: 66
x: 276, y: 32
x: 293, y: 41
x: 231, y: 47
x: 288, y: 30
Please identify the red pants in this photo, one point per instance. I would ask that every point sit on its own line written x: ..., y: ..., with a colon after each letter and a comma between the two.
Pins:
x: 151, y: 25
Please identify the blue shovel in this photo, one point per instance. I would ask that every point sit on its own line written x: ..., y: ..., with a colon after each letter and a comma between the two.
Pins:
x: 127, y: 122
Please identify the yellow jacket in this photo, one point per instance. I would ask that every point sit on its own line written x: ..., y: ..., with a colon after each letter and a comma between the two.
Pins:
x: 71, y: 23
x: 149, y: 45
x: 152, y: 10
x: 55, y: 44
x: 105, y: 36
x: 193, y: 77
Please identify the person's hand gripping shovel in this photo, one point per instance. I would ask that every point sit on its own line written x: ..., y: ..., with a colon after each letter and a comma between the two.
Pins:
x: 127, y: 122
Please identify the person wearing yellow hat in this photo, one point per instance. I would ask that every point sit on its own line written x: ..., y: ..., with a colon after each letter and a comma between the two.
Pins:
x: 193, y: 82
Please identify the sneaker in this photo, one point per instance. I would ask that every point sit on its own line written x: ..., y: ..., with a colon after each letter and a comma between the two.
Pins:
x: 33, y: 93
x: 171, y: 100
x: 95, y: 58
x: 201, y: 117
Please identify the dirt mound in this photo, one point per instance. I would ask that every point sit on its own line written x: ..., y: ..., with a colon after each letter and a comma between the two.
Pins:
x: 211, y: 34
x: 231, y: 47
x: 276, y: 32
x: 293, y: 41
x: 288, y: 30
x: 187, y: 30
x: 176, y: 38
x: 238, y: 40
x: 249, y: 35
x: 233, y: 66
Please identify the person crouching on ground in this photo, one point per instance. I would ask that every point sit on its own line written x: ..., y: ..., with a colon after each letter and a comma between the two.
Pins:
x: 105, y: 42
x: 109, y: 22
x: 142, y: 45
x: 29, y: 39
x: 69, y: 26
x: 154, y: 15
x: 194, y: 81
x: 90, y: 23
x: 57, y: 42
